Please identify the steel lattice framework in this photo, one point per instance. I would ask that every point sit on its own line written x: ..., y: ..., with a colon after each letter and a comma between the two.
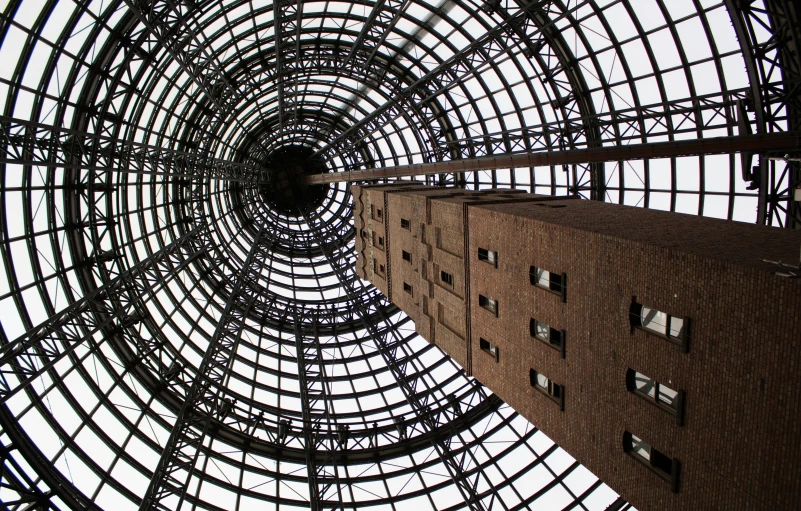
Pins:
x: 174, y: 335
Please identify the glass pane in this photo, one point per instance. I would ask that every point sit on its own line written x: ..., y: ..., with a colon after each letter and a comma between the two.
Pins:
x: 644, y: 384
x: 667, y: 396
x: 640, y: 448
x: 542, y: 330
x: 654, y: 320
x: 542, y: 381
x: 543, y: 277
x: 676, y: 327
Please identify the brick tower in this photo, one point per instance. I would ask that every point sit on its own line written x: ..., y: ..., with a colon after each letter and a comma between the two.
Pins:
x: 660, y: 350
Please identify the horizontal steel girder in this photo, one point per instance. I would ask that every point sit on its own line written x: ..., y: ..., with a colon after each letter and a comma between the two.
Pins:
x: 742, y: 143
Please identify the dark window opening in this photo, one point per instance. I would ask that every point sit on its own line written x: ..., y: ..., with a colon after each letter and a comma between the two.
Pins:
x: 446, y: 278
x: 545, y: 279
x: 405, y: 224
x: 406, y: 256
x: 380, y: 241
x: 488, y: 256
x: 407, y: 288
x: 550, y: 336
x: 666, y: 467
x: 489, y: 304
x: 546, y: 386
x: 489, y: 348
x: 381, y: 266
x: 674, y: 329
x: 664, y: 397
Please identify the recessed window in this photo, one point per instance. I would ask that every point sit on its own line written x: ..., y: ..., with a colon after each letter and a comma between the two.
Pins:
x: 446, y: 278
x: 406, y: 224
x: 488, y: 347
x: 381, y: 268
x: 489, y: 304
x: 660, y: 464
x: 550, y: 336
x: 379, y: 214
x: 666, y: 398
x: 674, y: 329
x: 488, y: 256
x: 406, y: 256
x: 407, y: 288
x: 554, y: 282
x: 381, y: 241
x: 545, y: 385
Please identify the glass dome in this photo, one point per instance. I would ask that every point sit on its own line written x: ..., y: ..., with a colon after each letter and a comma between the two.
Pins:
x: 182, y: 325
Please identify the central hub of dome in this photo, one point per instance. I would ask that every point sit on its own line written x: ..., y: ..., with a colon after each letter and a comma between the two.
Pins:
x: 286, y: 191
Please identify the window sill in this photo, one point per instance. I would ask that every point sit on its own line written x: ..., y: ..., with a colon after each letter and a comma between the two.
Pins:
x: 558, y: 400
x: 672, y: 478
x: 561, y: 292
x: 495, y: 355
x: 556, y: 347
x: 682, y: 342
x: 677, y: 412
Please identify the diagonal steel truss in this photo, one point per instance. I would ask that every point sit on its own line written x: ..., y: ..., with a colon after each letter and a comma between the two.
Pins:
x: 204, y: 401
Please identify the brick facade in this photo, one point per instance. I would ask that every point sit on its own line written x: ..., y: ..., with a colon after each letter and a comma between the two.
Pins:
x: 738, y: 445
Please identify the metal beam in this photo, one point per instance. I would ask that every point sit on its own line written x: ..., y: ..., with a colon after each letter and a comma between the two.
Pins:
x: 24, y: 142
x: 176, y: 466
x: 753, y: 143
x: 28, y: 357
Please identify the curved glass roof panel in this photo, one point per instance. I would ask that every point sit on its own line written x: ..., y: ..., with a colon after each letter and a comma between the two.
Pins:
x: 182, y: 324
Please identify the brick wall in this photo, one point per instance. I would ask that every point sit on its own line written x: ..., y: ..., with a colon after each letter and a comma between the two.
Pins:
x: 740, y: 441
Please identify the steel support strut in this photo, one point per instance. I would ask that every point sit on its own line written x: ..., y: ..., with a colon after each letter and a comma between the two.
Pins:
x: 203, y: 401
x: 315, y: 404
x: 24, y: 142
x: 756, y: 143
x: 31, y: 355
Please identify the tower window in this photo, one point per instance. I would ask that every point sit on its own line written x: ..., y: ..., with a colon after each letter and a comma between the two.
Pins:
x: 406, y: 256
x: 550, y: 336
x: 545, y: 279
x: 407, y: 288
x: 446, y: 278
x: 660, y: 464
x: 675, y: 330
x: 406, y: 224
x: 545, y: 385
x: 381, y: 241
x: 488, y: 347
x: 489, y: 304
x: 488, y: 256
x: 664, y: 397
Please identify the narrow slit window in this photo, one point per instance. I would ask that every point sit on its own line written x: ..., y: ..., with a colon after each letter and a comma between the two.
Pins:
x: 488, y: 347
x: 407, y: 288
x: 545, y: 385
x: 666, y: 467
x: 488, y: 256
x: 406, y: 224
x: 446, y: 278
x: 406, y: 256
x: 672, y: 328
x: 489, y: 304
x: 381, y: 241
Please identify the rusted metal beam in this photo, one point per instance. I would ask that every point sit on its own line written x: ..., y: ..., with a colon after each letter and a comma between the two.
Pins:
x: 769, y: 142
